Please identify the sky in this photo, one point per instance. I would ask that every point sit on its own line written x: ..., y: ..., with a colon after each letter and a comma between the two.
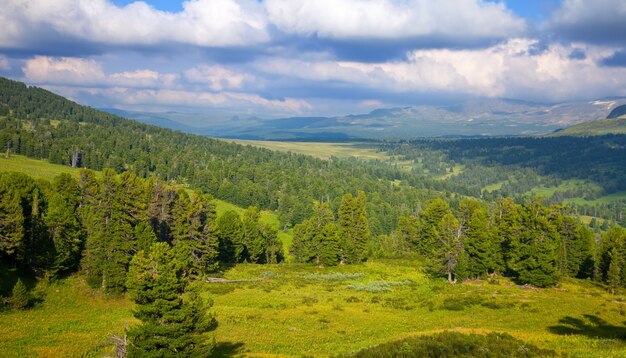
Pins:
x: 278, y: 58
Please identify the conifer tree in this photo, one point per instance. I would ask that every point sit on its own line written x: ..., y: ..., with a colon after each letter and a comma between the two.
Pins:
x: 449, y: 245
x: 353, y: 228
x: 230, y: 235
x: 482, y: 251
x: 273, y: 247
x: 64, y: 230
x: 534, y: 257
x: 253, y: 241
x: 20, y: 297
x: 11, y: 223
x: 614, y: 273
x: 430, y: 218
x: 173, y: 320
x: 329, y: 245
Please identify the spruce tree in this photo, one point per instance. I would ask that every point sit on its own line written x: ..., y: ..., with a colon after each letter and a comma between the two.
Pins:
x: 273, y: 247
x: 172, y: 320
x: 430, y: 218
x: 614, y: 273
x: 253, y: 242
x: 353, y: 228
x: 20, y: 297
x: 11, y: 223
x: 449, y: 245
x: 329, y: 245
x: 64, y: 230
x: 230, y: 235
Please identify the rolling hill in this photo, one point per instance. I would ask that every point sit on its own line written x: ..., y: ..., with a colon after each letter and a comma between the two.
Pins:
x: 477, y: 117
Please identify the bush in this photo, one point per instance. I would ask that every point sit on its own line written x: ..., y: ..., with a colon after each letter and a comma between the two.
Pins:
x: 453, y: 344
x: 460, y: 303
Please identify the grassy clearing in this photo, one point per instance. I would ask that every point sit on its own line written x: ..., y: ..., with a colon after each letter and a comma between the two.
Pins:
x: 72, y: 321
x: 302, y: 310
x: 39, y: 169
x: 607, y: 199
x: 318, y: 150
x: 298, y: 310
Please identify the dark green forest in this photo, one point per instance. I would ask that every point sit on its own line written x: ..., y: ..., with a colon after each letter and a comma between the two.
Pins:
x: 329, y: 227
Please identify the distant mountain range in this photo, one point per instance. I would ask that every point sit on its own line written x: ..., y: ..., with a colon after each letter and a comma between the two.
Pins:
x: 479, y: 117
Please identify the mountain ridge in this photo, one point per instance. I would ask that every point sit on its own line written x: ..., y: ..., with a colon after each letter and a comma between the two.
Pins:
x: 476, y: 117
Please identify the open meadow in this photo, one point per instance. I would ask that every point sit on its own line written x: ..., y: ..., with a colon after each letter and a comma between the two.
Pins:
x: 289, y: 310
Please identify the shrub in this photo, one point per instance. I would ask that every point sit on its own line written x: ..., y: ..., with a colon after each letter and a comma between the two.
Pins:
x: 453, y: 344
x: 460, y: 303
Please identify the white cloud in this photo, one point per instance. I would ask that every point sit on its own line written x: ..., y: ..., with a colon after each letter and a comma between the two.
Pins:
x: 386, y: 19
x: 505, y: 70
x: 88, y: 72
x: 217, y: 77
x: 77, y: 78
x: 64, y: 70
x: 202, y: 22
x: 243, y: 102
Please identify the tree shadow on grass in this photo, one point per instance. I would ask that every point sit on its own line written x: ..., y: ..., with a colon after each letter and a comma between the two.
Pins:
x: 590, y: 326
x: 227, y: 349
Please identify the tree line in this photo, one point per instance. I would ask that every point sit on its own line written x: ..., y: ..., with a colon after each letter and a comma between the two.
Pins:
x: 96, y: 224
x: 529, y: 242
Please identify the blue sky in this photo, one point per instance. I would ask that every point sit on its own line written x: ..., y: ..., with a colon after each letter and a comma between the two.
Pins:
x: 277, y: 58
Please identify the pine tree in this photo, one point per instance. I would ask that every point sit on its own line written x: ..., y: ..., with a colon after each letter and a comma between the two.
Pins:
x: 482, y: 252
x: 253, y: 241
x: 430, y: 218
x: 535, y: 256
x: 20, y: 297
x: 353, y: 228
x: 173, y: 320
x: 193, y: 219
x: 64, y: 230
x: 273, y: 252
x: 614, y: 273
x: 449, y: 245
x: 11, y: 223
x: 230, y: 235
x: 329, y: 245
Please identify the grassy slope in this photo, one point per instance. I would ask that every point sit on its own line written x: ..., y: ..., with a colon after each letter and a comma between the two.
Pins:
x: 300, y: 310
x: 72, y: 321
x: 598, y: 127
x: 39, y: 169
x: 318, y: 150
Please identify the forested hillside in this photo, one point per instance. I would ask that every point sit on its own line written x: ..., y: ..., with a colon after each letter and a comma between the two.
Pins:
x: 43, y: 125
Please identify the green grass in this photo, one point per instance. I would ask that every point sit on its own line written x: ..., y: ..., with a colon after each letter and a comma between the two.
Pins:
x: 598, y: 127
x: 298, y: 310
x: 318, y: 150
x: 292, y: 314
x: 73, y: 320
x: 607, y: 199
x: 39, y: 169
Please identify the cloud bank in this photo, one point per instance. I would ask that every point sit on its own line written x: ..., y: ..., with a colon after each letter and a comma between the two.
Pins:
x: 297, y: 57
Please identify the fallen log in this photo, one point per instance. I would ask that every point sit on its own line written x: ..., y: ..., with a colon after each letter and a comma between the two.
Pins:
x: 223, y: 280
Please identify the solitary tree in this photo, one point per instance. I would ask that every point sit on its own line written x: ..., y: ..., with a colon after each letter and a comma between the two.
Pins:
x: 173, y: 320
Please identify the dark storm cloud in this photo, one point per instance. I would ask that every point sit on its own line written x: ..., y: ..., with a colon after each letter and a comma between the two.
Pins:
x: 601, y: 22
